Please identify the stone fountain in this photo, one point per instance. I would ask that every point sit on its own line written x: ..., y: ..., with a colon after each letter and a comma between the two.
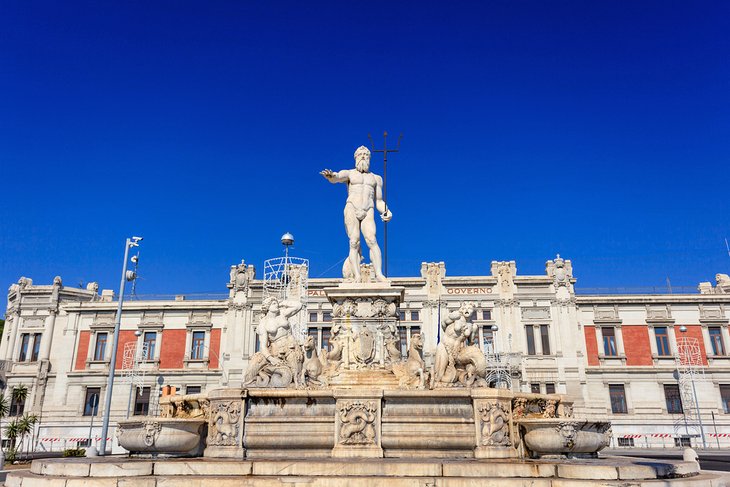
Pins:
x: 360, y: 413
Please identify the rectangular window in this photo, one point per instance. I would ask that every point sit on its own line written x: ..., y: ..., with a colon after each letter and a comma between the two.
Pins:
x: 530, y: 332
x: 24, y: 343
x: 17, y: 406
x: 609, y: 341
x: 150, y: 340
x: 549, y: 388
x: 100, y: 347
x: 402, y: 315
x: 487, y: 314
x: 91, y: 403
x: 415, y: 316
x: 673, y: 398
x: 313, y: 317
x: 197, y: 345
x: 725, y: 396
x: 403, y: 332
x: 142, y: 401
x: 326, y: 338
x: 193, y: 389
x: 487, y: 339
x: 36, y: 347
x: 718, y: 348
x: 626, y: 442
x: 683, y: 442
x: 662, y: 341
x: 534, y: 387
x: 257, y: 341
x: 617, y: 394
x: 327, y: 316
x: 545, y: 337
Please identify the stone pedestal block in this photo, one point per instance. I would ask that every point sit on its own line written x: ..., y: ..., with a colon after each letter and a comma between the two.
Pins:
x: 365, y: 323
x: 358, y: 424
x: 495, y: 433
x: 226, y: 423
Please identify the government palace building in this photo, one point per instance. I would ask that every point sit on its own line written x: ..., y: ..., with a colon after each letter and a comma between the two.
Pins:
x: 656, y: 365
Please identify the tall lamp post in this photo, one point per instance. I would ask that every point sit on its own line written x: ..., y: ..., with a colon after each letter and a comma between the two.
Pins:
x: 126, y: 276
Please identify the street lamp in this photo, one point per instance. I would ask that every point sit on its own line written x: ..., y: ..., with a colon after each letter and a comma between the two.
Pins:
x: 683, y: 329
x: 126, y: 276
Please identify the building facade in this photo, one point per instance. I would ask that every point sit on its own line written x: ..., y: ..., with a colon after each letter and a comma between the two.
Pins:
x: 615, y: 355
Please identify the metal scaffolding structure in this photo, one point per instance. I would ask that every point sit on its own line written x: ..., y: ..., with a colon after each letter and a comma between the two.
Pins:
x: 132, y: 360
x: 286, y: 278
x: 690, y: 369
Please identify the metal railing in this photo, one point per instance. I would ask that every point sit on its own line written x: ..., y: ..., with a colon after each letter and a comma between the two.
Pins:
x: 581, y: 291
x: 177, y: 297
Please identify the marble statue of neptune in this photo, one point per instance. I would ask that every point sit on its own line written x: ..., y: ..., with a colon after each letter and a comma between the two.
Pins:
x: 364, y: 196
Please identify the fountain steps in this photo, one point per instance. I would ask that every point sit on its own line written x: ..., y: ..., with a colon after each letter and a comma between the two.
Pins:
x: 128, y: 472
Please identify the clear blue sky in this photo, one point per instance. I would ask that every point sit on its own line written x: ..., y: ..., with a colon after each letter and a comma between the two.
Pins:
x: 595, y: 129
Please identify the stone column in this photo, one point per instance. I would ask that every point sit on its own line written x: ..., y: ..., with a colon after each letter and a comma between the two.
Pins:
x: 495, y: 432
x: 226, y: 423
x: 50, y: 324
x: 358, y: 423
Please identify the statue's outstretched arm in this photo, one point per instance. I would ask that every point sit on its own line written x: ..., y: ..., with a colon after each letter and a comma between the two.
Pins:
x: 336, y: 177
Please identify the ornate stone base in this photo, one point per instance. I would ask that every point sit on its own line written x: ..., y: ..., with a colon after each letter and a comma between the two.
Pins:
x: 358, y: 425
x: 364, y: 317
x: 226, y: 423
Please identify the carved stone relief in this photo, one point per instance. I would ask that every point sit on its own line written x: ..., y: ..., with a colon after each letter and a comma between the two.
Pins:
x: 224, y: 425
x: 495, y: 419
x: 358, y: 423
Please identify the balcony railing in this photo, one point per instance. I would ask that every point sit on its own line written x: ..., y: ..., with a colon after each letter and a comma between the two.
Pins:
x: 582, y: 291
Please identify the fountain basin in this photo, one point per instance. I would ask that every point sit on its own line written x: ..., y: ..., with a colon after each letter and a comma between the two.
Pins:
x: 162, y: 436
x: 564, y: 437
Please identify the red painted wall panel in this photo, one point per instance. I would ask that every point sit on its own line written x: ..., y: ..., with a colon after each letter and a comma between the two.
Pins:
x: 591, y: 345
x: 215, y: 345
x: 693, y: 331
x: 125, y: 336
x: 636, y: 345
x: 172, y: 352
x: 83, y: 350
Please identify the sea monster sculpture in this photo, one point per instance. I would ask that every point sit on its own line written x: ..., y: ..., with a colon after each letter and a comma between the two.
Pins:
x: 459, y: 364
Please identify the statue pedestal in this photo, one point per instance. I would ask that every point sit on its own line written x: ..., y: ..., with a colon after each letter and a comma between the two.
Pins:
x: 365, y: 316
